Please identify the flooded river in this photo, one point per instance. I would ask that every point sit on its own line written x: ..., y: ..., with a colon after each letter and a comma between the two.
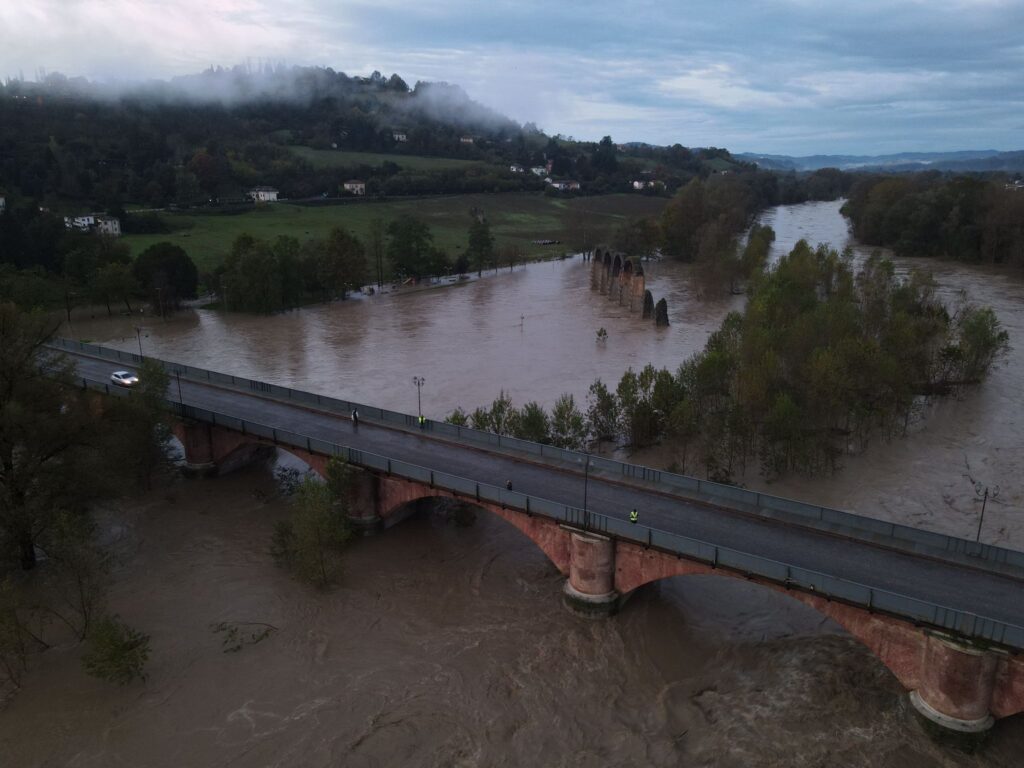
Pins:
x: 448, y: 646
x: 532, y: 332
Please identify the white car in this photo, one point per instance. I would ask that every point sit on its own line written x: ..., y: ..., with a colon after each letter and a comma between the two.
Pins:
x: 124, y: 378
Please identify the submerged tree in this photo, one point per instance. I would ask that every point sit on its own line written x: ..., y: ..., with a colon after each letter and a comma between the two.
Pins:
x: 311, y: 541
x: 480, y: 251
x: 48, y: 437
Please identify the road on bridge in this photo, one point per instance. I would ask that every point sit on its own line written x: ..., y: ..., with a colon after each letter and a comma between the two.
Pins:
x: 992, y: 595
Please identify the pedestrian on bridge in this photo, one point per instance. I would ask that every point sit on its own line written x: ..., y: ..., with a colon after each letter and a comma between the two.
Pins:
x: 634, y: 516
x: 355, y: 417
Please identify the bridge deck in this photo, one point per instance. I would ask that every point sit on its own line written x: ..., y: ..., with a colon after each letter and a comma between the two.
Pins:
x: 972, y: 590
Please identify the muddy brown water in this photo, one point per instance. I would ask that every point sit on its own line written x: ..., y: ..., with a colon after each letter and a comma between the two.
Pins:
x: 449, y: 646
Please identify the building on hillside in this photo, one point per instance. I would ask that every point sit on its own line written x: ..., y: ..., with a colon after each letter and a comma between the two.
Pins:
x: 263, y: 194
x: 99, y: 223
x: 3, y: 203
x: 80, y: 223
x: 647, y: 184
x: 539, y: 170
x: 516, y: 168
x: 355, y: 187
x: 466, y: 139
x: 108, y: 225
x: 564, y: 185
x: 1014, y: 186
x: 399, y: 136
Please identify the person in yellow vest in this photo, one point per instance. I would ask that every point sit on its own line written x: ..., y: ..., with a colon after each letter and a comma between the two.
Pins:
x: 423, y: 421
x: 633, y: 516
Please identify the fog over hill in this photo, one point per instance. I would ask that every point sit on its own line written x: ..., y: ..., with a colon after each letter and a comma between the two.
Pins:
x: 243, y: 85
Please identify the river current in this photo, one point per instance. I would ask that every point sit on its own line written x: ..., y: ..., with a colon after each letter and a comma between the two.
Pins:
x: 448, y: 646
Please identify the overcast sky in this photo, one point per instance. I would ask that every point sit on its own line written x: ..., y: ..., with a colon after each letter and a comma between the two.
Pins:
x: 791, y: 77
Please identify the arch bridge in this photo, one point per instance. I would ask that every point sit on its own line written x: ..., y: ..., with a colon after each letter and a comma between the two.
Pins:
x: 943, y: 614
x: 619, y: 276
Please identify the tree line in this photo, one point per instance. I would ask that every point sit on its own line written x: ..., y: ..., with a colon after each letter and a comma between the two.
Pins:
x: 60, y: 453
x: 823, y: 358
x: 966, y: 218
x: 268, y: 276
x: 45, y: 265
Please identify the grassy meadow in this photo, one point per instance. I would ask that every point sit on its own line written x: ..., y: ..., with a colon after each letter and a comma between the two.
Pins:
x: 334, y: 158
x: 516, y: 218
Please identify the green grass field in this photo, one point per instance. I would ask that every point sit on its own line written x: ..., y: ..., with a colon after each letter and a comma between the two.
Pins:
x: 333, y: 158
x: 516, y: 218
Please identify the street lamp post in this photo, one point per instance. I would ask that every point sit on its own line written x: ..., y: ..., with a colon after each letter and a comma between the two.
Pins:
x: 177, y: 375
x: 984, y: 492
x: 419, y: 381
x: 138, y: 335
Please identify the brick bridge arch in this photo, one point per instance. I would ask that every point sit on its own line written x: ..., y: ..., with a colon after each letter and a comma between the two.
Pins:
x: 958, y: 681
x: 953, y: 682
x: 619, y: 276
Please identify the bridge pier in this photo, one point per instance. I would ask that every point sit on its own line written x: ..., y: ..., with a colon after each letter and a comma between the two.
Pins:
x: 197, y: 440
x: 590, y: 588
x: 957, y: 681
x: 364, y: 503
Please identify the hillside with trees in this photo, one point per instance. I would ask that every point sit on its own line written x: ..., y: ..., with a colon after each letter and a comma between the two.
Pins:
x: 68, y: 142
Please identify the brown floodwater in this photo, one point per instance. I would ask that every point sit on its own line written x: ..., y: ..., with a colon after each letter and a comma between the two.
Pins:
x: 448, y: 646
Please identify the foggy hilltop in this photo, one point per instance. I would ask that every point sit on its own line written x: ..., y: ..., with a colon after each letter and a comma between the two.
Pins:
x: 390, y: 98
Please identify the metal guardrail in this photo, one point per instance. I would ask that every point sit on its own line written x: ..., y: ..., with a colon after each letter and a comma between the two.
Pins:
x: 791, y: 576
x: 848, y: 524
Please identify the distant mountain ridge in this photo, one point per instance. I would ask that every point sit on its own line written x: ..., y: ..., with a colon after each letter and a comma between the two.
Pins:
x: 966, y: 160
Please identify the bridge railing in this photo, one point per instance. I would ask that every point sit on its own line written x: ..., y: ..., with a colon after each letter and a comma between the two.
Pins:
x: 785, y: 574
x: 704, y: 491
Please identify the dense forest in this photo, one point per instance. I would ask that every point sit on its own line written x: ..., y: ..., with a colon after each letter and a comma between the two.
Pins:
x: 964, y: 218
x: 69, y: 143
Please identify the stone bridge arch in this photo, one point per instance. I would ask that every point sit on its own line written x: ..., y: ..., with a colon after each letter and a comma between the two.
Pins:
x: 633, y: 281
x: 959, y: 686
x: 394, y: 495
x: 953, y: 682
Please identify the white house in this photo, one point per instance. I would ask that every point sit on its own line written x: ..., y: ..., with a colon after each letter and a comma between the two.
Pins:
x: 647, y: 184
x: 399, y: 136
x: 3, y: 203
x: 81, y: 223
x: 564, y: 185
x: 108, y: 225
x: 355, y: 187
x: 95, y: 222
x: 539, y: 170
x: 516, y: 168
x: 263, y: 194
x: 466, y: 139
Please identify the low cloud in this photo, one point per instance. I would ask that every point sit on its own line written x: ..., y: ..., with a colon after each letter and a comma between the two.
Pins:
x: 777, y: 75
